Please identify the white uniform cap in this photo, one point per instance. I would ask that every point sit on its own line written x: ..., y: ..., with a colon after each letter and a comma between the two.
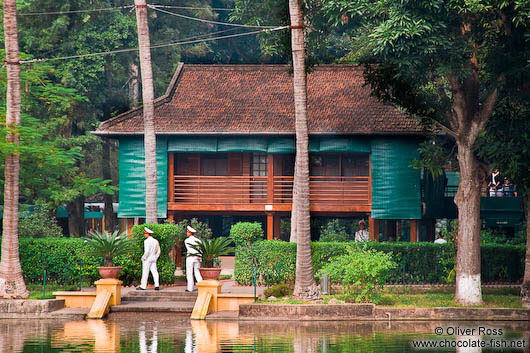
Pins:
x: 190, y: 229
x: 148, y: 230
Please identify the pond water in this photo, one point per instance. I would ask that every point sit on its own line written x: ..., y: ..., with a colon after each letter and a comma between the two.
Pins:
x: 152, y: 334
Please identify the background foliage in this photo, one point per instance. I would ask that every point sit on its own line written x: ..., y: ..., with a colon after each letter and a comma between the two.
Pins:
x: 417, y: 262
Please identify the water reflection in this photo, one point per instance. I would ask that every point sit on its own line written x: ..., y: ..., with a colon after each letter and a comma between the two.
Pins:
x: 161, y: 334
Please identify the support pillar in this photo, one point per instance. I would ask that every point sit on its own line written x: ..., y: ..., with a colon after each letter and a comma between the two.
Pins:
x: 373, y: 229
x: 413, y: 230
x: 276, y: 231
x: 270, y: 226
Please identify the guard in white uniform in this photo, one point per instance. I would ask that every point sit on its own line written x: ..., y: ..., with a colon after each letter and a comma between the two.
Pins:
x: 362, y: 234
x: 193, y: 262
x: 149, y: 258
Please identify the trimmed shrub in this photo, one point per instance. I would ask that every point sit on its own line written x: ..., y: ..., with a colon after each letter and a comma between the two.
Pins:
x: 203, y: 231
x: 334, y: 231
x: 40, y: 224
x: 279, y: 290
x: 417, y: 262
x: 246, y: 233
x: 61, y: 258
x: 361, y: 271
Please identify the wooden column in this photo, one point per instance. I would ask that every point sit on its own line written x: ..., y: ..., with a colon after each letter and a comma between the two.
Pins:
x: 413, y: 230
x: 276, y: 232
x: 373, y: 229
x: 270, y: 226
x: 171, y: 178
x: 270, y: 179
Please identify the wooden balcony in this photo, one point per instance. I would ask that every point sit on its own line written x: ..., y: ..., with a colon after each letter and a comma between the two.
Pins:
x: 267, y: 193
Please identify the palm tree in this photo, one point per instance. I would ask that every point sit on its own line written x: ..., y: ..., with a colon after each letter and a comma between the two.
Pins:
x: 149, y: 112
x: 11, y: 280
x: 304, y: 285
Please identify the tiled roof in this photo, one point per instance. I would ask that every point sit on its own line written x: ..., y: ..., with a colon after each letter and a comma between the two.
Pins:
x: 259, y: 99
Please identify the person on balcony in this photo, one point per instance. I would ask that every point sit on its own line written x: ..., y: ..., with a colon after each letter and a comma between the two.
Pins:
x: 362, y: 234
x: 494, y: 184
x: 508, y: 190
x: 193, y: 261
x: 149, y: 258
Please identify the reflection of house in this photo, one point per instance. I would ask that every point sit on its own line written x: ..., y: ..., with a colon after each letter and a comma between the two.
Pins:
x: 225, y: 148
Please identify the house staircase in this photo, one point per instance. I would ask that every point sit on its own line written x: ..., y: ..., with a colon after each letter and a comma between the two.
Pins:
x: 166, y: 300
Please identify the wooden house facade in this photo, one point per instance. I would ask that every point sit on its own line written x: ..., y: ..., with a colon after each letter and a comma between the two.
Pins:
x: 226, y: 145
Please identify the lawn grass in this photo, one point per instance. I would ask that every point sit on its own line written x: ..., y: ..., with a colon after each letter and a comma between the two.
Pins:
x: 403, y: 297
x: 36, y: 290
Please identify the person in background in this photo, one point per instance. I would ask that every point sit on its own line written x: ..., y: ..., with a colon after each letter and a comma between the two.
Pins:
x: 149, y: 258
x: 508, y: 190
x: 440, y: 239
x: 193, y: 261
x: 494, y: 183
x: 362, y: 234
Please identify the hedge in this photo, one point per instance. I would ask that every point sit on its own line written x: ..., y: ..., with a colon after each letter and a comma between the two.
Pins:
x: 61, y: 258
x: 418, y: 262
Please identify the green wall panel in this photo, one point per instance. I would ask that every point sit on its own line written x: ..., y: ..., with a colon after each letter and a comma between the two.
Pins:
x: 395, y: 186
x: 132, y: 177
x: 281, y: 145
x: 242, y: 144
x: 192, y: 144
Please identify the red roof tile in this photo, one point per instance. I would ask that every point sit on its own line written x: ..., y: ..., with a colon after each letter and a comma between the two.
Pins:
x: 259, y: 99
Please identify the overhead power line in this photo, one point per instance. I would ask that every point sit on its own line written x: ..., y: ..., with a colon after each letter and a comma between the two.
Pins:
x: 156, y: 8
x: 74, y: 11
x: 192, y: 8
x: 181, y: 42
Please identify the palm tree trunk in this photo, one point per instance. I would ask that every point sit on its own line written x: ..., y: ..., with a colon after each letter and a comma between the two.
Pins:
x: 11, y: 280
x: 304, y: 286
x: 149, y: 112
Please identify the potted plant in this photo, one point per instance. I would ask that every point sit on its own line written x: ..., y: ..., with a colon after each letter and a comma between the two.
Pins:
x: 109, y: 245
x: 209, y: 250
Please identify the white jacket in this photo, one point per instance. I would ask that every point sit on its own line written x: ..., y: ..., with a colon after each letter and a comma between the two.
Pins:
x: 151, y: 250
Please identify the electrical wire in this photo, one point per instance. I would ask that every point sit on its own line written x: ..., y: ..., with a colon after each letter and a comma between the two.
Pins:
x: 206, y: 21
x: 74, y: 11
x: 192, y: 8
x: 181, y: 42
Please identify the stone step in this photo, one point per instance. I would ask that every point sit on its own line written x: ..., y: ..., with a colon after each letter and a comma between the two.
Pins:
x: 154, y: 307
x: 157, y: 298
x: 159, y: 295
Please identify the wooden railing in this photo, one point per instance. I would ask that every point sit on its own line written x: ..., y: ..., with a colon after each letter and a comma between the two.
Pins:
x: 220, y: 189
x: 324, y: 190
x: 330, y: 190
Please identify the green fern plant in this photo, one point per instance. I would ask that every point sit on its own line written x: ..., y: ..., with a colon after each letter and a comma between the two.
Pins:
x: 108, y: 245
x: 210, y: 249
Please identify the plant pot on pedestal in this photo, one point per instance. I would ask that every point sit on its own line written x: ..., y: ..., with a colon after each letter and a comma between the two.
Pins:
x: 209, y: 273
x: 109, y: 271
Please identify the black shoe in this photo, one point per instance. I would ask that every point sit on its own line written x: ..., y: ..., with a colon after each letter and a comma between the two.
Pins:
x: 157, y: 288
x: 139, y: 288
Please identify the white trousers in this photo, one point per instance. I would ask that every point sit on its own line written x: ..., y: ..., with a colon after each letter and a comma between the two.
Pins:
x: 146, y: 267
x: 192, y: 267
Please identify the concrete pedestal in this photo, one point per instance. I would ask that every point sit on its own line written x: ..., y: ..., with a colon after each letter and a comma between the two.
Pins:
x: 113, y: 286
x: 212, y: 287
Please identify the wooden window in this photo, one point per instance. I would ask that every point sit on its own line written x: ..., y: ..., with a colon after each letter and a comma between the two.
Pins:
x: 325, y: 164
x: 186, y: 164
x: 214, y: 164
x: 259, y: 164
x: 355, y: 164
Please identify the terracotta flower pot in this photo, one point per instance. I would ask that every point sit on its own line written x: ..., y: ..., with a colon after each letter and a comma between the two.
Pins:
x: 109, y: 272
x: 210, y: 273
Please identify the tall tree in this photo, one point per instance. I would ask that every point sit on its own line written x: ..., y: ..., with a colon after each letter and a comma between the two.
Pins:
x: 505, y: 145
x: 149, y: 112
x: 444, y: 61
x: 11, y: 280
x: 304, y: 285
